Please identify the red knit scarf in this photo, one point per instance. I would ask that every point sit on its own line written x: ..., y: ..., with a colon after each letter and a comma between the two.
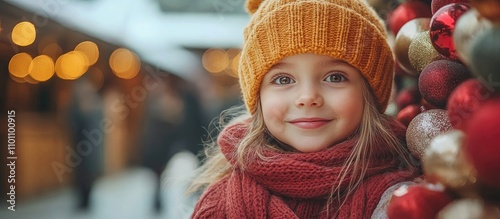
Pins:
x: 296, y: 185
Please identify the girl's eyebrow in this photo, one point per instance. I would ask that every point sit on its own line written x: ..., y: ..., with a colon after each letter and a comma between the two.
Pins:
x: 325, y: 63
x: 281, y: 65
x: 332, y: 62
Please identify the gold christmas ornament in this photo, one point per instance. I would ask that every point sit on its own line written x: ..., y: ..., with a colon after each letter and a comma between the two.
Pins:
x: 405, y: 36
x: 468, y: 26
x: 444, y: 161
x: 424, y: 127
x: 469, y: 209
x: 421, y: 52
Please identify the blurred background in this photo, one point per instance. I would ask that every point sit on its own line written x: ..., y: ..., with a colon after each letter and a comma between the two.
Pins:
x: 113, y: 99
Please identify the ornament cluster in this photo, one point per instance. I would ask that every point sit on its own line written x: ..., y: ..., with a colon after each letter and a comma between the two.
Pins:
x: 448, y: 77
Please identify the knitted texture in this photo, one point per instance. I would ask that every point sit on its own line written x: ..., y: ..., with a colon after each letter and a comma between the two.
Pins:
x: 348, y: 30
x: 296, y: 185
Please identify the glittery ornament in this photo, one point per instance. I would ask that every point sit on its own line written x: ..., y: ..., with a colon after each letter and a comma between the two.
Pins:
x: 468, y: 26
x: 439, y: 79
x: 408, y: 113
x: 424, y: 127
x: 422, y: 201
x: 469, y: 209
x: 482, y: 144
x: 442, y: 27
x: 444, y: 162
x: 489, y: 9
x: 465, y: 100
x: 485, y: 57
x: 408, y: 32
x: 407, y: 96
x: 405, y: 12
x: 421, y: 52
x: 437, y: 4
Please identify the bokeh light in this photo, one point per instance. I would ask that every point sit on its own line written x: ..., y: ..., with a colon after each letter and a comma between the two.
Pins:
x: 215, y: 60
x: 230, y: 68
x: 234, y: 65
x: 124, y: 63
x: 19, y: 64
x: 90, y: 50
x: 41, y: 68
x: 23, y: 34
x: 71, y: 65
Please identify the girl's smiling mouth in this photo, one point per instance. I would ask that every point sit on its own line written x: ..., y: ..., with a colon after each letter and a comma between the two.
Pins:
x: 310, y: 123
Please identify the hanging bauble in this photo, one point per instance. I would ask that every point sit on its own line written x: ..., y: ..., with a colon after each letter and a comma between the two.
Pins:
x: 421, y: 52
x: 442, y: 27
x: 405, y: 12
x: 468, y: 26
x: 408, y: 32
x: 408, y: 113
x: 469, y: 209
x: 465, y: 100
x: 424, y: 127
x: 421, y: 201
x: 437, y: 4
x: 485, y: 57
x: 489, y: 9
x: 439, y: 79
x: 444, y: 162
x: 482, y: 145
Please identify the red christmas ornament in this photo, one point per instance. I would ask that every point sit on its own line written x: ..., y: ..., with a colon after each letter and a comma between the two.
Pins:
x: 421, y: 201
x: 407, y: 11
x: 437, y: 4
x: 442, y: 27
x: 439, y: 78
x: 408, y: 96
x: 482, y: 145
x: 465, y: 100
x: 408, y: 113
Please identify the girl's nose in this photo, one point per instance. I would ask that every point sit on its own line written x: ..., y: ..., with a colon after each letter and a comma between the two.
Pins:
x: 309, y: 97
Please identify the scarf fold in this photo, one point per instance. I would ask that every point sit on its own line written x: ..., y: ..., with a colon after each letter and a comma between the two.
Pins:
x: 297, y: 185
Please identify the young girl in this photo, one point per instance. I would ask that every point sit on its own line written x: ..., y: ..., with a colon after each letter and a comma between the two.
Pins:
x: 316, y: 76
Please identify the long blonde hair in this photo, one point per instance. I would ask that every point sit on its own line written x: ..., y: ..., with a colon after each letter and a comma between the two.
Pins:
x: 374, y: 129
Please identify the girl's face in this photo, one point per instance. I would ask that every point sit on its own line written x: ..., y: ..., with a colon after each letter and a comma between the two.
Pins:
x: 310, y: 101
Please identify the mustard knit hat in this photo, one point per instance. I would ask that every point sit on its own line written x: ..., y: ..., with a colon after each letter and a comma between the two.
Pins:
x: 349, y: 30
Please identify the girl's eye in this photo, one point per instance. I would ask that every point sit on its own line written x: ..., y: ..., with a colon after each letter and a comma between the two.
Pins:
x: 335, y: 78
x: 282, y: 80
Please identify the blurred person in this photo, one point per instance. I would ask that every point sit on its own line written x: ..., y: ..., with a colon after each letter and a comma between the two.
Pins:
x: 85, y: 118
x: 171, y: 124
